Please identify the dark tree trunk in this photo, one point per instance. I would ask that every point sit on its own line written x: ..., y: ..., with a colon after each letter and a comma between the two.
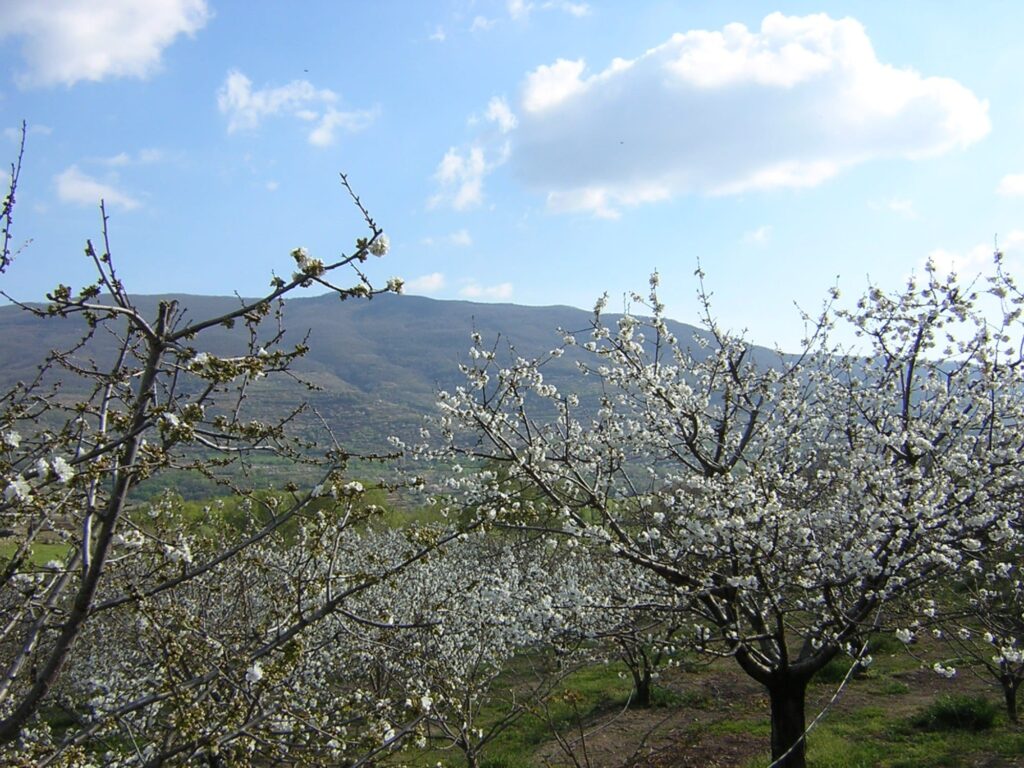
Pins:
x: 788, y: 723
x: 642, y: 687
x: 1010, y: 684
x: 472, y: 759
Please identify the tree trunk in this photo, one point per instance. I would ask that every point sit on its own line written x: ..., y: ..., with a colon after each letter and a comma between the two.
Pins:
x: 788, y: 723
x: 1010, y: 684
x: 124, y: 477
x: 642, y: 688
x: 465, y: 744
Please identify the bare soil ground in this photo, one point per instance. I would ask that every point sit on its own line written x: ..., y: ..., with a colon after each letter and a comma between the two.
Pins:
x: 722, y: 721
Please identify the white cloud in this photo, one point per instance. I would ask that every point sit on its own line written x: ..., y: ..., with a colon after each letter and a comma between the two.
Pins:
x: 482, y: 24
x: 758, y: 236
x: 601, y: 202
x: 498, y: 112
x: 14, y: 134
x: 459, y: 239
x: 1012, y: 244
x: 65, y: 41
x: 271, y: 186
x: 122, y: 158
x: 246, y: 108
x: 962, y: 262
x: 150, y: 155
x: 520, y: 10
x: 573, y: 9
x: 73, y: 186
x: 324, y: 133
x: 1011, y: 185
x: 431, y: 283
x: 462, y: 238
x: 462, y: 170
x: 473, y: 290
x: 979, y: 258
x: 725, y: 112
x: 548, y: 86
x: 438, y: 35
x: 142, y: 157
x: 461, y: 176
x: 901, y: 206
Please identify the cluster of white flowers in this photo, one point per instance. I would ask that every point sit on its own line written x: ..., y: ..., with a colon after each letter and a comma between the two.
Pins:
x: 380, y: 246
x: 765, y: 478
x: 182, y: 553
x: 191, y: 606
x: 17, y: 489
x: 62, y: 469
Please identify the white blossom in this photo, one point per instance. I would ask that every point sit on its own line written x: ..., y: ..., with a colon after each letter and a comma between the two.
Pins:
x: 17, y: 489
x: 64, y: 471
x: 380, y: 246
x: 254, y: 674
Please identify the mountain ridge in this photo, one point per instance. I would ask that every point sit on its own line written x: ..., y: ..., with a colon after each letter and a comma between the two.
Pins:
x: 378, y: 363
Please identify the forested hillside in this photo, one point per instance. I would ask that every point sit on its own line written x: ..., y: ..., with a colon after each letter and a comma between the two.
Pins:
x: 378, y: 365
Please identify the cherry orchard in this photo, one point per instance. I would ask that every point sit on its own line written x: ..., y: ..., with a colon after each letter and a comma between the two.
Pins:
x: 256, y: 660
x: 476, y: 605
x: 789, y: 500
x: 164, y: 642
x: 980, y: 617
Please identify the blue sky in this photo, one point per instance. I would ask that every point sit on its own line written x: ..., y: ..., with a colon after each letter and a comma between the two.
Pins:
x: 536, y: 152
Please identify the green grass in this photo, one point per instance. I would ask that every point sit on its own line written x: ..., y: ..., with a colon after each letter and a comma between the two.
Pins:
x: 836, y: 671
x: 41, y: 553
x: 891, y: 726
x: 896, y: 745
x: 890, y: 686
x: 870, y: 737
x: 584, y: 695
x: 957, y: 713
x: 874, y: 740
x: 758, y: 726
x: 880, y: 729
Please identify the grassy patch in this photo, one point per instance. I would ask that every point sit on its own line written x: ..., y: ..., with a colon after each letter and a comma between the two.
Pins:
x: 836, y: 671
x: 41, y: 554
x: 761, y: 726
x: 693, y: 698
x: 900, y: 748
x: 957, y: 713
x: 892, y: 687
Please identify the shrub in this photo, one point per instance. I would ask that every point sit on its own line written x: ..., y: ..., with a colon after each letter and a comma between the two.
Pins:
x: 957, y: 713
x: 836, y: 670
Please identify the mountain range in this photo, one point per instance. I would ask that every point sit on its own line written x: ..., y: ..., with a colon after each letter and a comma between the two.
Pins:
x: 378, y: 364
